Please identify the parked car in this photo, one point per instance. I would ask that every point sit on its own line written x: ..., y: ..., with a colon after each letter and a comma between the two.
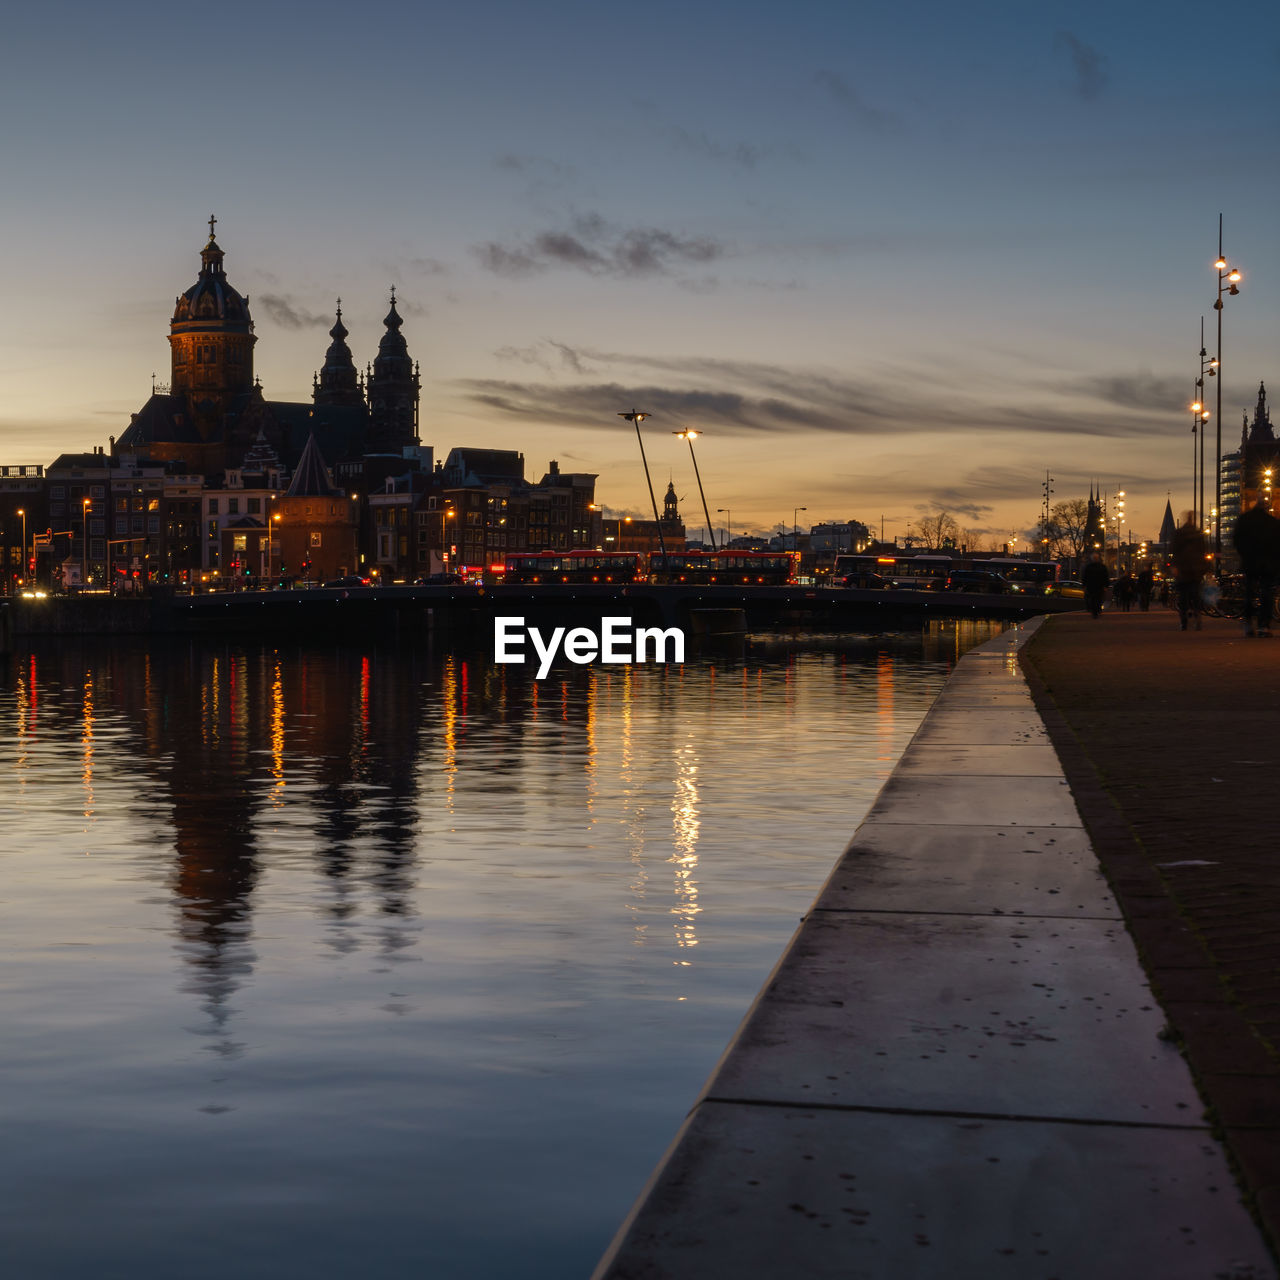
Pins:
x: 439, y: 580
x: 978, y: 580
x: 351, y: 580
x: 865, y: 578
x: 1068, y: 588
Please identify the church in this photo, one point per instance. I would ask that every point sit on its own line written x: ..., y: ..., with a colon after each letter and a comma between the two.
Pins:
x: 213, y: 412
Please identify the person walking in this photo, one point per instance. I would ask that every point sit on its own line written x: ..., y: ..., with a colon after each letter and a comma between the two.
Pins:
x: 1188, y: 553
x: 1095, y: 579
x: 1256, y: 538
x: 1146, y: 587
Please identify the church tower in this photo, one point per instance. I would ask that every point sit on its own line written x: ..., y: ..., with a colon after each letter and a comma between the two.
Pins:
x: 392, y: 387
x: 337, y: 382
x: 670, y: 505
x: 211, y: 343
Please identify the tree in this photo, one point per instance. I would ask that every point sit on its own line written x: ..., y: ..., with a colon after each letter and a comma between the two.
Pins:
x: 938, y: 530
x: 1068, y: 526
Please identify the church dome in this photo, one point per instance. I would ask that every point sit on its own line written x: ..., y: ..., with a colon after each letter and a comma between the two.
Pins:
x: 211, y: 302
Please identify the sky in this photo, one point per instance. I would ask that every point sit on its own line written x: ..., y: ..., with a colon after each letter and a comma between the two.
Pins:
x: 890, y: 259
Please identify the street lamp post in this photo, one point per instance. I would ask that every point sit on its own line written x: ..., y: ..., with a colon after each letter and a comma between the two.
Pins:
x: 1208, y: 366
x: 795, y: 528
x: 728, y: 515
x: 1227, y: 276
x: 1044, y: 529
x: 638, y: 418
x: 84, y: 559
x: 691, y: 436
x: 23, y: 513
x: 1199, y: 416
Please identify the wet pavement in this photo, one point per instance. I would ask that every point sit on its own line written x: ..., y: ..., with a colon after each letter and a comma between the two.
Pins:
x: 958, y: 1067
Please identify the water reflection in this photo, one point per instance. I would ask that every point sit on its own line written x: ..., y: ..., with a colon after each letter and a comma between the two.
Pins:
x: 390, y: 921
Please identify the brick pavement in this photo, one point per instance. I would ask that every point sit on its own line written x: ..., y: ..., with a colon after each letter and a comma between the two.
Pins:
x: 1170, y: 741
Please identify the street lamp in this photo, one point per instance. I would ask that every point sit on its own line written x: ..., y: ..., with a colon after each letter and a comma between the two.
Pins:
x: 84, y: 559
x: 691, y: 436
x: 795, y: 528
x: 728, y: 515
x: 271, y: 519
x: 22, y: 512
x: 445, y: 516
x: 638, y: 418
x: 1044, y: 534
x: 1118, y: 519
x: 1226, y: 276
x: 1199, y: 416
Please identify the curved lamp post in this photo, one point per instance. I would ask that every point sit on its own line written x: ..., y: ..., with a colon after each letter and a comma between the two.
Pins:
x: 724, y: 511
x: 638, y: 418
x: 691, y: 436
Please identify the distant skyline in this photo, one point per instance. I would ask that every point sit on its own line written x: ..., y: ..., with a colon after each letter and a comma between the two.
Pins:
x: 888, y: 262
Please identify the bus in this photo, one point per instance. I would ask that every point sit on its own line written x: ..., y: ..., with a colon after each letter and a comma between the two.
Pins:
x: 1039, y: 573
x: 924, y: 572
x: 574, y: 566
x: 726, y: 567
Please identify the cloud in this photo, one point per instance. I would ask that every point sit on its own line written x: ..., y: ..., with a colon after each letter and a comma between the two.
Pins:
x: 1087, y: 64
x: 593, y: 246
x: 743, y: 398
x: 851, y: 100
x: 1136, y: 390
x: 282, y: 310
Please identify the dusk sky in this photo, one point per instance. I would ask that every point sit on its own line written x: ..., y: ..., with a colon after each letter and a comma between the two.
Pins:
x: 890, y: 258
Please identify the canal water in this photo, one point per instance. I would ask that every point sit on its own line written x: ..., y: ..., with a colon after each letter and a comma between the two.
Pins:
x: 322, y: 962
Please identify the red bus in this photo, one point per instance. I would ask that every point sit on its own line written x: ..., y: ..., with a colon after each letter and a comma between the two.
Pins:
x: 745, y: 568
x: 574, y: 566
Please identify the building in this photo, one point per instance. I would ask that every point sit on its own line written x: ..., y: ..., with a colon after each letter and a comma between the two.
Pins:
x: 24, y: 516
x: 315, y: 536
x: 213, y: 411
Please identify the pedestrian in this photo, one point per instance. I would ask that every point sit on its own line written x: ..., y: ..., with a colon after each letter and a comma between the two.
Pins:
x: 1095, y: 578
x: 1125, y: 591
x: 1188, y: 554
x: 1146, y: 585
x: 1256, y: 538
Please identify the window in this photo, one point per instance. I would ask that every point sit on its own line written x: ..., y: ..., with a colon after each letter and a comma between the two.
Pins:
x: 315, y: 539
x: 153, y: 504
x: 254, y: 506
x: 213, y: 506
x: 240, y: 542
x: 213, y: 528
x: 233, y: 506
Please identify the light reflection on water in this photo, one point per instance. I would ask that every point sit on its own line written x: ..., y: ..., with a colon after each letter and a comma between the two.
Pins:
x: 330, y: 962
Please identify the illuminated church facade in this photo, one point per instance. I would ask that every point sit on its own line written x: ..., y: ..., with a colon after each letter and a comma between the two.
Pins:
x: 214, y: 413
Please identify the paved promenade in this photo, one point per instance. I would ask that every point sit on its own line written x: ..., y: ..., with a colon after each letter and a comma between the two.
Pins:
x: 958, y: 1068
x: 1170, y: 741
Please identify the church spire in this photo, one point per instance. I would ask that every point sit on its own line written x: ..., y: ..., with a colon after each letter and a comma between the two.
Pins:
x: 337, y: 382
x: 393, y: 389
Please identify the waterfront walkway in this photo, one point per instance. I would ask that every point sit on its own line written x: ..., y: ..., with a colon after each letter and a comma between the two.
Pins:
x: 958, y: 1068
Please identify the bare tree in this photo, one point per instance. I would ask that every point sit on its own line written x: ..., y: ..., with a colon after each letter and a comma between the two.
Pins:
x: 1068, y: 526
x: 938, y: 530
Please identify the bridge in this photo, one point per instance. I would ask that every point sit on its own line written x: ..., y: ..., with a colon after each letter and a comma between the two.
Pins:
x: 463, y: 611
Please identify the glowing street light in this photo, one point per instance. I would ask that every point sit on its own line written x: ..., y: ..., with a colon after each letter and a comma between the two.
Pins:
x: 84, y: 559
x: 1199, y: 416
x: 637, y: 417
x: 1226, y: 276
x: 22, y: 512
x: 691, y: 436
